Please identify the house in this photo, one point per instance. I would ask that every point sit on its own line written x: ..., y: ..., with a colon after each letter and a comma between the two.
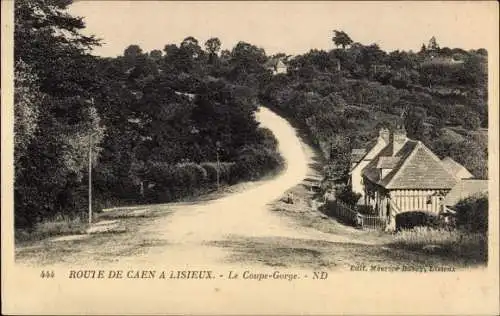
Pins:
x: 276, y: 65
x: 404, y: 175
x: 360, y: 158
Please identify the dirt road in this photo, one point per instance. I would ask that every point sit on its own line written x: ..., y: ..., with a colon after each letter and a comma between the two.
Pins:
x: 201, y: 231
x: 239, y: 228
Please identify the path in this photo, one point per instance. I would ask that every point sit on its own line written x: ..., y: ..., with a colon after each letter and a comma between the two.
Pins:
x: 192, y: 228
x: 239, y: 228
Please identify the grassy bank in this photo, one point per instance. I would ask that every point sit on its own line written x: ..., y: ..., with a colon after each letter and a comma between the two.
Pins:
x: 449, y: 243
x: 65, y: 226
x: 51, y: 228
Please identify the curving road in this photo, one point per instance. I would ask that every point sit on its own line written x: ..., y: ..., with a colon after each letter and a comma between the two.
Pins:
x: 191, y: 228
x: 208, y: 232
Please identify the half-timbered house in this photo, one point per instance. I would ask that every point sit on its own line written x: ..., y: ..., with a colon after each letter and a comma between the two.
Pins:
x: 404, y: 175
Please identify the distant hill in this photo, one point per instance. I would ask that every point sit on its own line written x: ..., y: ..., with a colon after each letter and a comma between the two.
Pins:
x: 343, y: 95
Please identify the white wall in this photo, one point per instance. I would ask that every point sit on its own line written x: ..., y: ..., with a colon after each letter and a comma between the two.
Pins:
x: 356, y: 173
x: 356, y: 177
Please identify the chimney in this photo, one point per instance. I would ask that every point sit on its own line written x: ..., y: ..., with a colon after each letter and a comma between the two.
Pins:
x: 398, y: 139
x: 384, y: 134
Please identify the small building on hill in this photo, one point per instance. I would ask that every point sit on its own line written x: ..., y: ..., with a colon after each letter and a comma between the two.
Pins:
x: 276, y: 65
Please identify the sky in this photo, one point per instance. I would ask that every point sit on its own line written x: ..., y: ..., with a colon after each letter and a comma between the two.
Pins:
x: 290, y: 27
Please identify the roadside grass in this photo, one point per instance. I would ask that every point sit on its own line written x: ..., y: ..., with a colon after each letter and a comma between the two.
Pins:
x: 309, y: 253
x: 128, y: 240
x: 66, y: 240
x: 51, y: 228
x: 448, y: 243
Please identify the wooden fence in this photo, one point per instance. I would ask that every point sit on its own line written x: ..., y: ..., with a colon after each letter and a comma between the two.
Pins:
x: 349, y: 216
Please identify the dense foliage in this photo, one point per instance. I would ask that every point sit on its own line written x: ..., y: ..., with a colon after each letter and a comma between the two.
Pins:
x: 164, y: 124
x: 344, y: 95
x: 54, y: 79
x: 472, y: 214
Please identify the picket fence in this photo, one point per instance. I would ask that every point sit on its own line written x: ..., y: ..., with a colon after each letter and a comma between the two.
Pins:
x: 349, y: 216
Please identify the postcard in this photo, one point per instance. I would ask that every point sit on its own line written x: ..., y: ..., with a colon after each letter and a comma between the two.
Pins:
x: 260, y: 157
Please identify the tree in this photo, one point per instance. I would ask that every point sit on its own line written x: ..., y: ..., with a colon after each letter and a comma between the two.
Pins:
x: 433, y: 45
x: 414, y: 118
x: 472, y: 121
x: 27, y: 100
x: 132, y: 52
x: 156, y: 54
x: 54, y: 77
x: 170, y: 49
x: 423, y: 49
x: 341, y: 38
x: 191, y: 46
x: 213, y: 45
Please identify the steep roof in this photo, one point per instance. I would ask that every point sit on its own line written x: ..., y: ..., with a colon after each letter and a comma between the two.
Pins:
x: 456, y: 169
x: 372, y: 172
x: 414, y: 166
x: 357, y: 154
x: 465, y: 188
x: 387, y: 162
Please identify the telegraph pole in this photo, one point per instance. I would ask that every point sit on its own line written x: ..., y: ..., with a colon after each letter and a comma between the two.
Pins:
x: 90, y: 171
x: 217, y: 146
x: 90, y: 178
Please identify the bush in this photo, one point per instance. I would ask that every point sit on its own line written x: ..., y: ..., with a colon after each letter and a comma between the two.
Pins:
x: 366, y: 210
x: 256, y: 161
x: 172, y: 182
x: 193, y: 175
x: 225, y: 172
x: 211, y: 170
x: 413, y: 219
x: 346, y: 195
x: 472, y: 213
x: 266, y: 138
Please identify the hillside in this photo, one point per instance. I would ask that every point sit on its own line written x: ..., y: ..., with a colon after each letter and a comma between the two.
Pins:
x: 344, y: 95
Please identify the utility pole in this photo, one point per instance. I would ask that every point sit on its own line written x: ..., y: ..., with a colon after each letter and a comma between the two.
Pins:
x: 90, y: 178
x: 217, y: 146
x: 90, y: 171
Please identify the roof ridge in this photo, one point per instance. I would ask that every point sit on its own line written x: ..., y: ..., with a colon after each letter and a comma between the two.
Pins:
x: 436, y: 158
x: 433, y: 155
x: 405, y: 162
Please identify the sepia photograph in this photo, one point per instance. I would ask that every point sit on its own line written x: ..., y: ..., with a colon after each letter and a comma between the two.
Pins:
x: 207, y: 148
